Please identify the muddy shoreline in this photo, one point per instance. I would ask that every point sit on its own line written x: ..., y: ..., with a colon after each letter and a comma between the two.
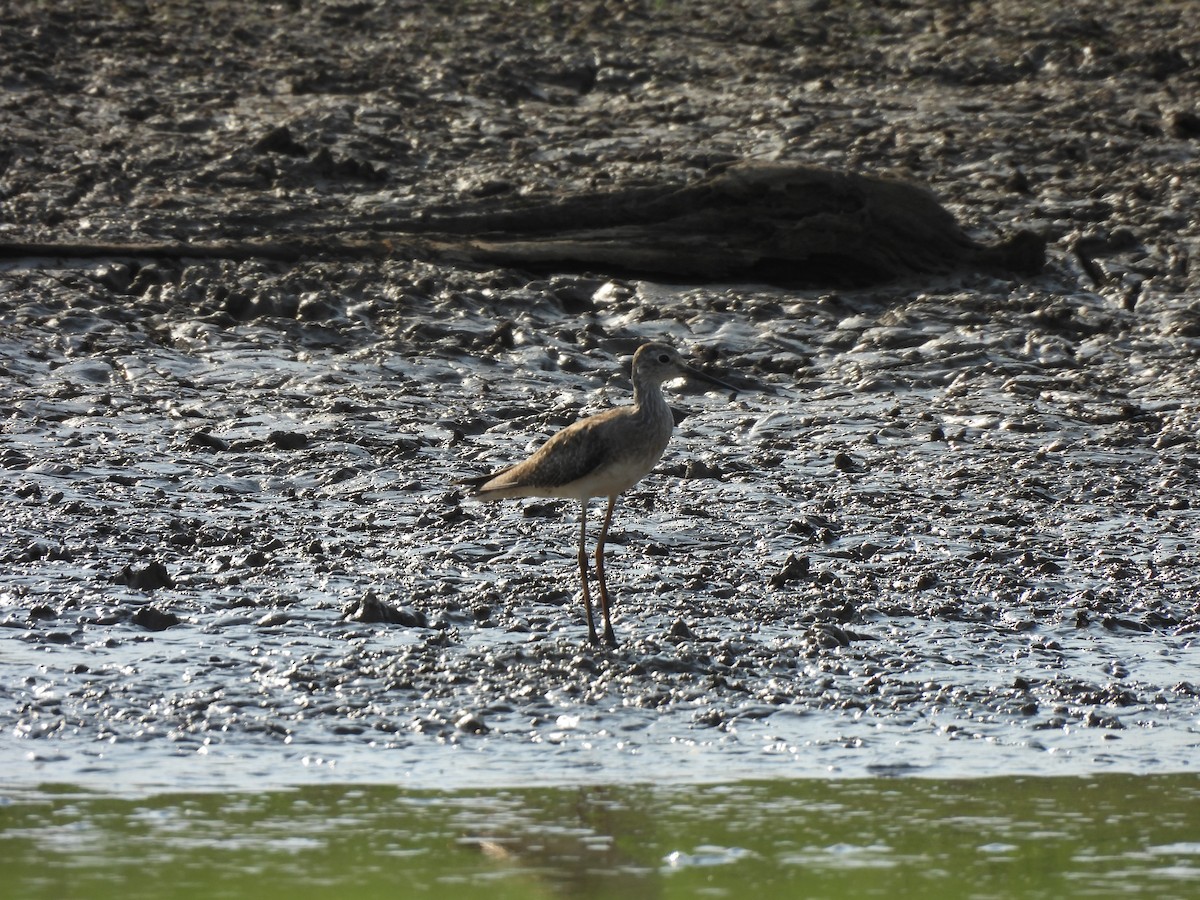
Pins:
x: 952, y: 529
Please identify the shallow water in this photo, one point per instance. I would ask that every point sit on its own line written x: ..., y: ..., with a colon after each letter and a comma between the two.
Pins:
x: 1108, y: 836
x: 940, y: 715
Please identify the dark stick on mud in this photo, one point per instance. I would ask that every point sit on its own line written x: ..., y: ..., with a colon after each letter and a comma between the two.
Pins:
x: 279, y: 251
x: 780, y: 223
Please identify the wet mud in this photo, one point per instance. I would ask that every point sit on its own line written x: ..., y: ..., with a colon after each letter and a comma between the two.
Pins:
x: 948, y: 526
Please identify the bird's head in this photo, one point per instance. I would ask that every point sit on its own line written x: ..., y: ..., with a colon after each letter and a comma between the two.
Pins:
x: 658, y: 362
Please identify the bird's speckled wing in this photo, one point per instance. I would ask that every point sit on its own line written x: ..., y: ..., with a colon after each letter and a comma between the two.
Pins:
x: 569, y: 456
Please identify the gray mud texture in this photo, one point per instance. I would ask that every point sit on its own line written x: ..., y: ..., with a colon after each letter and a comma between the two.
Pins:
x: 949, y: 526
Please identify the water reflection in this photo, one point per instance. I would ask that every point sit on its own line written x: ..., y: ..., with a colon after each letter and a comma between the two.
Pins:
x: 580, y: 843
x: 1106, y: 836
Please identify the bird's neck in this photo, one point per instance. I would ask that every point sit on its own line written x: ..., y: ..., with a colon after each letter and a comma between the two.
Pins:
x: 649, y: 401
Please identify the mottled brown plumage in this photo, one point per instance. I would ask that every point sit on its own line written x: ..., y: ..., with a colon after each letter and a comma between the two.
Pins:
x: 600, y: 456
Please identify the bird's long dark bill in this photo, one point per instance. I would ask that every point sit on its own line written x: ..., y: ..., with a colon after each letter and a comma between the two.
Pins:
x: 703, y: 376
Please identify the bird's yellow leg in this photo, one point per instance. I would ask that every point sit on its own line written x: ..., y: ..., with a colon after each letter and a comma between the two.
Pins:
x: 583, y: 571
x: 609, y: 635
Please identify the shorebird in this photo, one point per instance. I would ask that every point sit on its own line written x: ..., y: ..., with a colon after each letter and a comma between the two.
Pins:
x: 600, y: 456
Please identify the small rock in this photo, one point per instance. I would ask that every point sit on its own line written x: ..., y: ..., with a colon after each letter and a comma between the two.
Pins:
x: 470, y: 723
x: 114, y: 276
x: 794, y: 568
x: 680, y: 629
x: 699, y: 469
x: 501, y: 336
x: 925, y: 581
x: 288, y: 440
x: 845, y: 462
x: 208, y: 442
x: 34, y: 552
x: 830, y: 637
x: 313, y: 306
x: 369, y: 608
x: 577, y: 295
x: 255, y: 559
x: 280, y: 140
x: 1184, y: 123
x: 151, y: 577
x: 153, y: 619
x: 148, y: 278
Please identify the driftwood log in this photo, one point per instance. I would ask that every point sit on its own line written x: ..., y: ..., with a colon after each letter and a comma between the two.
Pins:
x: 780, y: 223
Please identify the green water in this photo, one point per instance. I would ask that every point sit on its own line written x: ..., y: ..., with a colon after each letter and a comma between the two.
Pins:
x: 1109, y: 836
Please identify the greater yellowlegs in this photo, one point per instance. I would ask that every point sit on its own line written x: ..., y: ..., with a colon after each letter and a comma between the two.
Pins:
x: 600, y: 456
